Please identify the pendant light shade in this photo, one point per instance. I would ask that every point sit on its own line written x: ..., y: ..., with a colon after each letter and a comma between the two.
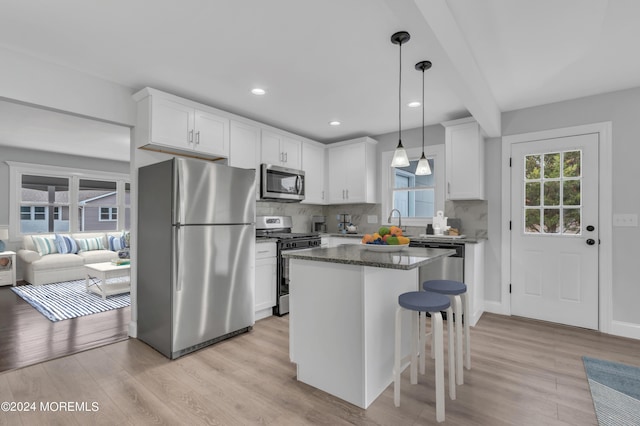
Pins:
x: 423, y: 164
x: 400, y: 158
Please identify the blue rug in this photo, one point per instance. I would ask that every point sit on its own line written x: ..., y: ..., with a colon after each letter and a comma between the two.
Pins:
x: 615, y: 389
x: 68, y: 299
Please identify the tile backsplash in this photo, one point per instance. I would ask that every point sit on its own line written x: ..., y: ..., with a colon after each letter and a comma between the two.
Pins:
x: 473, y: 215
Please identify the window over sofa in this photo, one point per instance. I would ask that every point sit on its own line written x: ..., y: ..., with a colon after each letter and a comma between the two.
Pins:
x: 60, y: 199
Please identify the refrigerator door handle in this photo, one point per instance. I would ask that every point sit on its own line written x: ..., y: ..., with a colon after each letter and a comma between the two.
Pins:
x: 177, y: 257
x: 178, y: 191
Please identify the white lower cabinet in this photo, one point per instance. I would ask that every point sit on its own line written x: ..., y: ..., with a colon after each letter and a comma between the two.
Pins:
x: 266, y: 270
x: 474, y: 278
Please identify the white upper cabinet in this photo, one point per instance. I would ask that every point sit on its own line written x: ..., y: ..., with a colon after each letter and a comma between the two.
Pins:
x: 313, y: 164
x: 464, y: 154
x: 244, y: 150
x: 352, y: 171
x: 281, y: 150
x: 171, y: 124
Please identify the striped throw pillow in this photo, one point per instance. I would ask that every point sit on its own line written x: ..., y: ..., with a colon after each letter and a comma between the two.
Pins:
x: 116, y: 243
x: 66, y: 244
x: 89, y: 244
x: 44, y: 245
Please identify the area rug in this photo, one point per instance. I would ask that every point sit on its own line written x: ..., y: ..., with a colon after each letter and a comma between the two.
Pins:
x: 69, y: 299
x: 615, y: 389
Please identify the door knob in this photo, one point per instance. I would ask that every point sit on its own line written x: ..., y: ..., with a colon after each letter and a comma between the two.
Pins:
x: 591, y: 241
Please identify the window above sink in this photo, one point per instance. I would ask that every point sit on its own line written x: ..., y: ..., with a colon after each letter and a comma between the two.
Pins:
x: 418, y: 198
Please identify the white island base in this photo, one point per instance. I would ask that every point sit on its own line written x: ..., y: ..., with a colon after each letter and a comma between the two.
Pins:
x: 342, y: 325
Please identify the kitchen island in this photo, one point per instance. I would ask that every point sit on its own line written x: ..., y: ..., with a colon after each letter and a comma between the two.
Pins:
x: 342, y: 315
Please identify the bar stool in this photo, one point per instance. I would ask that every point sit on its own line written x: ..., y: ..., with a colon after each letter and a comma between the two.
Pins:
x: 434, y: 303
x: 457, y: 292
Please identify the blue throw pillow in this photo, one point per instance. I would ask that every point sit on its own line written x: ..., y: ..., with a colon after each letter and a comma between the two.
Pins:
x: 116, y: 243
x: 66, y: 244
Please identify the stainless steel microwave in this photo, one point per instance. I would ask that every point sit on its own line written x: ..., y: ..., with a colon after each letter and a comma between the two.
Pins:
x: 281, y: 183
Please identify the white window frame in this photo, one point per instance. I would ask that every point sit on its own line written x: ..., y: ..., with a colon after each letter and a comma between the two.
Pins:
x: 17, y: 169
x: 111, y: 211
x: 435, y: 152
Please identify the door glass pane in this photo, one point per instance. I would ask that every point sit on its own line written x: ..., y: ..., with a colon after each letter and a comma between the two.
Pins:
x: 551, y: 221
x: 532, y: 167
x: 552, y: 193
x: 572, y: 164
x: 571, y: 193
x: 552, y: 165
x: 532, y: 194
x: 532, y: 221
x: 571, y: 221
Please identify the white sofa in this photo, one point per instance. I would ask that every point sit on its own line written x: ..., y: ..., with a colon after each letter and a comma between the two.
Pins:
x: 56, y: 267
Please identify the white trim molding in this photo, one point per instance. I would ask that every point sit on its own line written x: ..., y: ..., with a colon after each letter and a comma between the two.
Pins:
x: 605, y: 213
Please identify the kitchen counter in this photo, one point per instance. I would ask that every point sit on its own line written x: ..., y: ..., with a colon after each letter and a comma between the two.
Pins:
x: 342, y: 304
x: 435, y: 238
x: 408, y: 258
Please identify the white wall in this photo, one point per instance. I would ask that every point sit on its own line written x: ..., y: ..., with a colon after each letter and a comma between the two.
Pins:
x: 622, y: 109
x: 33, y: 81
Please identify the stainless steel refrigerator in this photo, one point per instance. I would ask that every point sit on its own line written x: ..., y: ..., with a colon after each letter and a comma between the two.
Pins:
x: 195, y: 254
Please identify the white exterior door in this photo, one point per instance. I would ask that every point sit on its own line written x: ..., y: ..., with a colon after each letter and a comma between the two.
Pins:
x: 554, y: 237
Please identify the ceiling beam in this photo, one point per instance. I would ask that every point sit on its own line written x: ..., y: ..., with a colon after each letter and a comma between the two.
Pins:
x: 435, y: 19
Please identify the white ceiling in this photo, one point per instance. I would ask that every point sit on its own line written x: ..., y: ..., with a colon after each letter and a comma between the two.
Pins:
x: 333, y: 60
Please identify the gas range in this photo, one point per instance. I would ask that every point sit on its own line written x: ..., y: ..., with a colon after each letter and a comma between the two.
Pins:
x: 279, y: 227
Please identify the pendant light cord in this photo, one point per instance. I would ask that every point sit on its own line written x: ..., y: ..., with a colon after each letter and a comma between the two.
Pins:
x: 423, y: 111
x: 400, y: 98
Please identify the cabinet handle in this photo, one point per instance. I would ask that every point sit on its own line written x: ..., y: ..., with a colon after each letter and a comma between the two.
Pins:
x: 322, y: 195
x: 448, y: 187
x: 263, y: 251
x: 282, y: 157
x: 347, y: 194
x: 343, y: 194
x: 198, y: 137
x: 286, y: 157
x: 190, y: 136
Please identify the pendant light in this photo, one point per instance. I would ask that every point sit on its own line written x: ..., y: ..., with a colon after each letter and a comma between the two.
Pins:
x: 423, y: 164
x: 400, y: 158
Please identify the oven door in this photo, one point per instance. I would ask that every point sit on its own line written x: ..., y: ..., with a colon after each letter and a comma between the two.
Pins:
x: 281, y: 183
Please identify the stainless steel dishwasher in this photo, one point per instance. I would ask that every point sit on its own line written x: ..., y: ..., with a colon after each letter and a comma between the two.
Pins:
x: 447, y: 268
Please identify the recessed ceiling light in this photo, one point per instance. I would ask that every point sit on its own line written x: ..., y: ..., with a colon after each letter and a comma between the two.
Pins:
x: 334, y: 123
x: 414, y: 104
x: 258, y: 91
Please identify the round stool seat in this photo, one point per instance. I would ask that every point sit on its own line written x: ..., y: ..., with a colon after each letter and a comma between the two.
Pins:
x: 424, y: 301
x: 445, y: 286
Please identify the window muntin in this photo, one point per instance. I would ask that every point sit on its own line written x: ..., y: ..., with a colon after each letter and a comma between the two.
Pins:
x: 552, y: 193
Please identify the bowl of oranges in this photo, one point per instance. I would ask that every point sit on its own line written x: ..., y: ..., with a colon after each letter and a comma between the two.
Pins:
x: 385, y: 240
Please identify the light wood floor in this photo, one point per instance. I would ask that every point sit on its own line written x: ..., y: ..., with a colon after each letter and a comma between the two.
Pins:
x: 523, y: 372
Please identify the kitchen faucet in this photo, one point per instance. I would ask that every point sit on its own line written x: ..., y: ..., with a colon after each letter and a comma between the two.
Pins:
x: 399, y: 217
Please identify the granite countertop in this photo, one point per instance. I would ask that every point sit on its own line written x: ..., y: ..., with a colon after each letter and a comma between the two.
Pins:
x: 435, y: 238
x: 409, y: 258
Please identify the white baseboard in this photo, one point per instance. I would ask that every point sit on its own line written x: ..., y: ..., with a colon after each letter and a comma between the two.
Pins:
x: 625, y: 329
x: 133, y: 329
x: 494, y: 307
